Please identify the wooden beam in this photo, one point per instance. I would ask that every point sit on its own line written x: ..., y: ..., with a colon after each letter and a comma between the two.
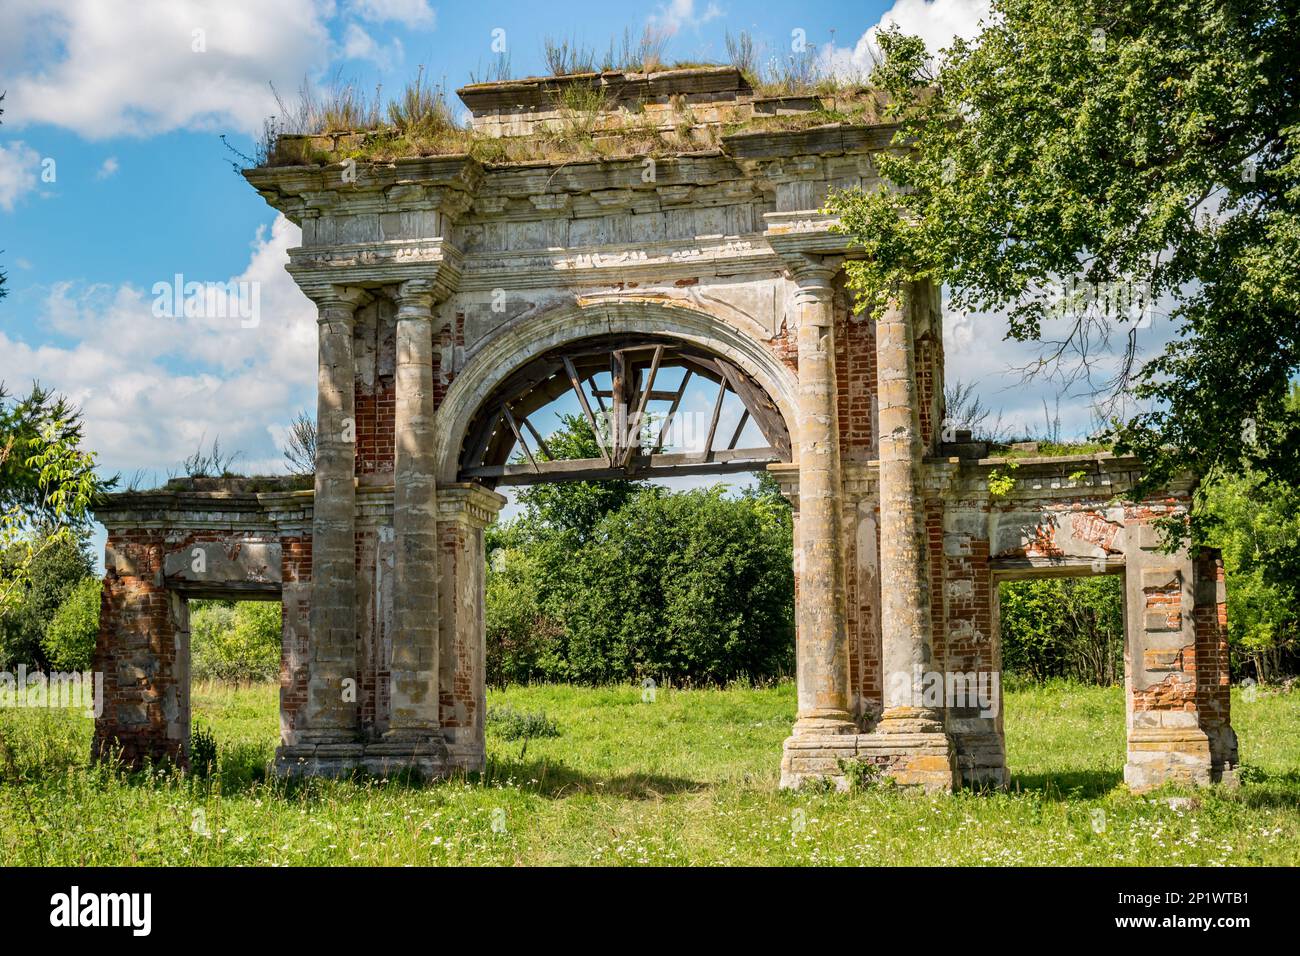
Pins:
x: 765, y: 414
x: 646, y: 466
x: 514, y: 427
x: 740, y: 427
x: 713, y: 424
x: 586, y: 407
x: 672, y: 412
x: 659, y: 395
x: 541, y: 442
x: 634, y: 428
x: 618, y: 377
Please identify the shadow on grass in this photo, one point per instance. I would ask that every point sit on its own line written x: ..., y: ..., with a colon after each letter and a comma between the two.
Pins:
x: 1068, y: 784
x: 1265, y: 790
x: 557, y: 780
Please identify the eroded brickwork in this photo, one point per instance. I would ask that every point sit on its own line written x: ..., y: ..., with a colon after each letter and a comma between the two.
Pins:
x: 142, y: 651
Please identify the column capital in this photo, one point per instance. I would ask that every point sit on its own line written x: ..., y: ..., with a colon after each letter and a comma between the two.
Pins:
x: 416, y: 299
x: 812, y: 271
x: 331, y: 300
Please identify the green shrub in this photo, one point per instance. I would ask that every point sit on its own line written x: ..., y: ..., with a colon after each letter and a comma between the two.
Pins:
x: 1063, y: 627
x: 69, y: 640
x: 687, y: 586
x: 235, y: 641
x: 59, y: 566
x: 514, y: 724
x: 523, y: 642
x: 204, y: 753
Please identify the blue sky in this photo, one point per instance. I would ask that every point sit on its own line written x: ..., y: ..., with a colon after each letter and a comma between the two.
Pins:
x: 113, y: 178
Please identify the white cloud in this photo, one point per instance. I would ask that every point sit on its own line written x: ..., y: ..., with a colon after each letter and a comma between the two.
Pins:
x: 152, y: 388
x: 672, y: 16
x: 936, y: 22
x: 412, y: 13
x: 358, y: 44
x: 18, y: 164
x: 149, y: 66
x: 108, y: 168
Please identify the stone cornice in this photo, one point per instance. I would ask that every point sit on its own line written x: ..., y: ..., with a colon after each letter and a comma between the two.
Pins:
x: 541, y: 92
x: 378, y: 263
x: 781, y: 145
x: 305, y: 190
x: 1083, y: 478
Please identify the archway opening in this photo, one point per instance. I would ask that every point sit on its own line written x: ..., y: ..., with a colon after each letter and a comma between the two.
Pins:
x: 644, y: 541
x: 1061, y: 641
x: 658, y: 408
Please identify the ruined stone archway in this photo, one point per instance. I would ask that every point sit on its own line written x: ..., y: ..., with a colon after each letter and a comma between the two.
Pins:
x: 436, y: 278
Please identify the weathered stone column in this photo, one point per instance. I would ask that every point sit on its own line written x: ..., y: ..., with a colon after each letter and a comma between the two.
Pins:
x: 331, y: 712
x: 465, y: 510
x: 906, y: 628
x: 414, y: 663
x: 822, y: 664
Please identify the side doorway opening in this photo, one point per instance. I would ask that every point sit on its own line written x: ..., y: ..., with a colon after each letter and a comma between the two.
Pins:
x: 234, y: 650
x: 1061, y: 641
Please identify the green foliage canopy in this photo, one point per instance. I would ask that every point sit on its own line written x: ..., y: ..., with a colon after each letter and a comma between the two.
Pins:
x: 1144, y: 142
x: 611, y: 581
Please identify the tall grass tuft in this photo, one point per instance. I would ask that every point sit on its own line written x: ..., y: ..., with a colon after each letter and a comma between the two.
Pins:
x: 566, y: 56
x: 422, y: 109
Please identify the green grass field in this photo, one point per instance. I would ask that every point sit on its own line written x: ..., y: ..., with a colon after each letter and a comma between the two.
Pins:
x: 688, y: 779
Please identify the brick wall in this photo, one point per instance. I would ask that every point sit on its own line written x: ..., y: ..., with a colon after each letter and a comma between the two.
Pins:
x: 455, y: 697
x: 146, y: 673
x: 295, y: 608
x: 855, y: 380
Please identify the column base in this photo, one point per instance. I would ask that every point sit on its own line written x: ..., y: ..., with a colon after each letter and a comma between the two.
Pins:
x: 924, y: 761
x: 1167, y: 755
x: 426, y: 759
x: 824, y: 723
x: 909, y: 720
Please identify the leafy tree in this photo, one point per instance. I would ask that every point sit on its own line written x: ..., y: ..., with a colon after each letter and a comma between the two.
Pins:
x: 1145, y: 143
x: 685, y: 586
x: 1063, y: 627
x: 575, y: 507
x: 47, y: 483
x: 526, y: 578
x: 69, y: 639
x: 52, y: 565
x: 1255, y: 521
x: 614, y: 580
